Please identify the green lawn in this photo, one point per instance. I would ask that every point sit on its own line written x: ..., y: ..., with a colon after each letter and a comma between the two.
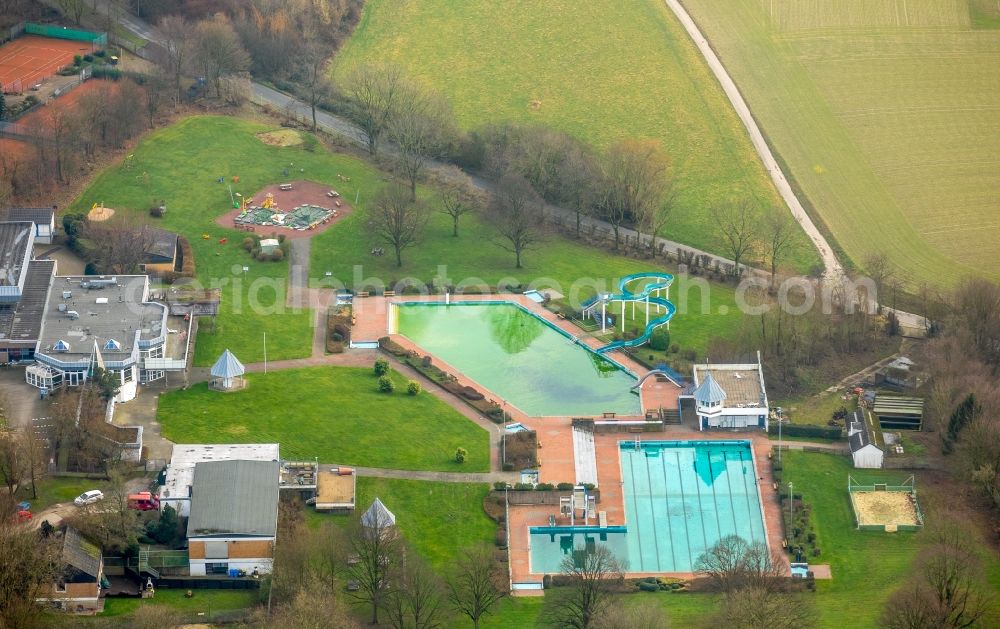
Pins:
x: 885, y: 113
x: 181, y: 164
x: 601, y: 70
x: 174, y: 159
x: 872, y: 562
x: 56, y: 489
x: 204, y: 601
x: 704, y: 309
x: 440, y: 520
x: 334, y: 413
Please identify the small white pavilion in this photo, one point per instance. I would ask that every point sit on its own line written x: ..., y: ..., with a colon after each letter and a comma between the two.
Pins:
x: 227, y: 373
x: 378, y: 516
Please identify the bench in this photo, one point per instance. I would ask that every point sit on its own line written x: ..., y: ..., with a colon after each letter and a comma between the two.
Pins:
x: 285, y: 186
x: 363, y: 293
x: 389, y: 293
x: 608, y: 415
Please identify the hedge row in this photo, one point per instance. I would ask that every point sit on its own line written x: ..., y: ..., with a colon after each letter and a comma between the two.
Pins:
x: 470, y: 395
x: 832, y: 433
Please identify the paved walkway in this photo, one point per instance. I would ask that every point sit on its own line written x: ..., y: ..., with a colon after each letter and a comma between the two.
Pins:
x: 447, y: 477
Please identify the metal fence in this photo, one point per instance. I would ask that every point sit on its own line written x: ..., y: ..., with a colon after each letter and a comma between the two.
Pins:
x: 97, y: 40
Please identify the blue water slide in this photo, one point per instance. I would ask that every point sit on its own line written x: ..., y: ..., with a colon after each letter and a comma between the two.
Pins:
x: 659, y: 281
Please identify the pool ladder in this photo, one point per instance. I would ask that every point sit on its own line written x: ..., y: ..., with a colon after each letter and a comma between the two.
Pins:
x: 638, y: 444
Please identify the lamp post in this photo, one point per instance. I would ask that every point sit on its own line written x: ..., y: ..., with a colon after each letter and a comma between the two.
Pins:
x: 779, y: 438
x: 791, y: 502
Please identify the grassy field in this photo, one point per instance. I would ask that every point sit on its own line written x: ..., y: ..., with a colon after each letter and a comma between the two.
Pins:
x: 56, y: 489
x: 704, y: 310
x: 181, y: 165
x: 602, y: 71
x: 170, y: 165
x: 440, y: 520
x: 334, y: 413
x: 208, y: 602
x: 886, y: 113
x: 876, y: 563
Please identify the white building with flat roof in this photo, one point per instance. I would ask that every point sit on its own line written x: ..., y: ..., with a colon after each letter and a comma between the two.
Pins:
x: 176, y: 490
x: 730, y: 396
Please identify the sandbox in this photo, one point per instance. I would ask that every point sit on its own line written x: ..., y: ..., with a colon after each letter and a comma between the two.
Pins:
x: 297, y: 209
x: 889, y: 508
x: 99, y: 213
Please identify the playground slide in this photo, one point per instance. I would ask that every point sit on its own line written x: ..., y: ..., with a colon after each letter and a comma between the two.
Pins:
x: 660, y: 282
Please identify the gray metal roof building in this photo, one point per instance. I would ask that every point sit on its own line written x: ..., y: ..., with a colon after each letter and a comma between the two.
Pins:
x: 234, y: 499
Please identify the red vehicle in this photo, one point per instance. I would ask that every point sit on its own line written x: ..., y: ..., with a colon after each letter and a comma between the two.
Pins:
x: 143, y: 501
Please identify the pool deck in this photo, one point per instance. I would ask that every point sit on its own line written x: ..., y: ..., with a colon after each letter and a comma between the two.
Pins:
x: 556, y: 465
x: 555, y: 453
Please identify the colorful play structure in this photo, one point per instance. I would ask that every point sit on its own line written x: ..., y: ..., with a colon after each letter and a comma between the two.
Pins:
x: 648, y: 294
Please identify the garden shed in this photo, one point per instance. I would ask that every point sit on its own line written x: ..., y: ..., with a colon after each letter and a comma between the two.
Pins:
x: 864, y: 438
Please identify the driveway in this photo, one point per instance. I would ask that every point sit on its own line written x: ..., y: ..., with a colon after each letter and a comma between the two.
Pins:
x: 23, y: 400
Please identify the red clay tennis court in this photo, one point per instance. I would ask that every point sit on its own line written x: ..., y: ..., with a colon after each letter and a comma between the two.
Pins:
x: 29, y: 59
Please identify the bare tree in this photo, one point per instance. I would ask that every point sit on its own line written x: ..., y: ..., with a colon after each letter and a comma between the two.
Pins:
x: 633, y: 182
x: 73, y: 9
x: 311, y: 607
x: 313, y: 76
x: 118, y: 245
x: 415, y: 596
x: 12, y: 461
x: 377, y: 549
x: 947, y: 589
x: 779, y: 231
x: 478, y: 584
x: 420, y: 128
x: 880, y: 271
x: 514, y: 212
x: 218, y: 51
x: 738, y: 224
x: 178, y: 46
x: 374, y: 91
x: 732, y: 563
x: 763, y: 608
x: 28, y: 568
x: 457, y: 195
x: 977, y: 310
x: 33, y: 455
x: 397, y: 220
x: 644, y: 615
x: 592, y: 578
x: 110, y: 522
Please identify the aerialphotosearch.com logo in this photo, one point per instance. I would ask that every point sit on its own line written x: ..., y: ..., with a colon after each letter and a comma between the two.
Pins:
x: 752, y: 295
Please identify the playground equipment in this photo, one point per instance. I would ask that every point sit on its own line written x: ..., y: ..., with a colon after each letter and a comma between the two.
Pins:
x: 650, y: 294
x: 268, y: 201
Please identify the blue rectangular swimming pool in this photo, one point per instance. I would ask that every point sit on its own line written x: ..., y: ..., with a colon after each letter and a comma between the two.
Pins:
x: 681, y: 497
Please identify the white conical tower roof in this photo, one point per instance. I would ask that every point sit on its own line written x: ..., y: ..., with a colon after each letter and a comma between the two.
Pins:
x: 228, y: 366
x: 709, y: 392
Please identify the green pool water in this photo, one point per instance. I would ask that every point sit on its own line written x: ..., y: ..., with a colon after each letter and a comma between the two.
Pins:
x: 520, y: 358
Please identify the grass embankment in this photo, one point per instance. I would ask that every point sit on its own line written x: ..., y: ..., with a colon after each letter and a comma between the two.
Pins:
x: 334, y: 413
x: 885, y: 116
x: 601, y: 71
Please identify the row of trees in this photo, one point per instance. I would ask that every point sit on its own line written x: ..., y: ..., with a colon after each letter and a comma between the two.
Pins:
x: 962, y: 394
x: 398, y: 587
x: 67, y: 140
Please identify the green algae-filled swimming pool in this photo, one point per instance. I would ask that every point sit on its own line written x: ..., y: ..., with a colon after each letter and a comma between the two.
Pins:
x: 519, y: 357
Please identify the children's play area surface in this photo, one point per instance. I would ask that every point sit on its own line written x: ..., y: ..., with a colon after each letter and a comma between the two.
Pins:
x: 298, y: 209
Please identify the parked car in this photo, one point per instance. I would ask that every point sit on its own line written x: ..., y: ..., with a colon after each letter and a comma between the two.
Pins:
x: 89, y: 497
x: 143, y: 501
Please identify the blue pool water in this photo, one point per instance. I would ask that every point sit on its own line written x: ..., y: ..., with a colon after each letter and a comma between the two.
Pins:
x: 680, y: 498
